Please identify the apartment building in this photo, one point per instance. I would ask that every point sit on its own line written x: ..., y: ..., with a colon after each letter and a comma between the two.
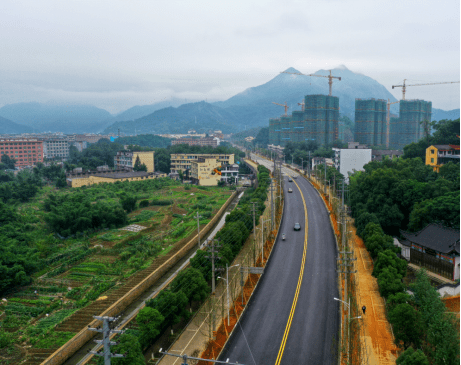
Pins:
x: 56, y: 148
x: 440, y: 154
x: 205, y: 172
x: 127, y: 159
x: 183, y: 161
x: 26, y: 151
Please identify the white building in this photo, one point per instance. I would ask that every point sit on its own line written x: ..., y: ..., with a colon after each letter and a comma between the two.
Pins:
x: 347, y: 161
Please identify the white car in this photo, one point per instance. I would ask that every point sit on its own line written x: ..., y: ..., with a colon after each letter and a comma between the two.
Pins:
x: 289, y: 190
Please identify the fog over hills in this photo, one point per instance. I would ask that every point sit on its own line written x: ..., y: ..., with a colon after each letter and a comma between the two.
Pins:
x: 9, y: 127
x: 254, y: 106
x: 58, y: 118
x: 251, y: 108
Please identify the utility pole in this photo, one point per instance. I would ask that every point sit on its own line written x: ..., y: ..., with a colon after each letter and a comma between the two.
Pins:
x: 272, y: 206
x: 309, y: 165
x: 213, y: 257
x: 198, y: 228
x: 106, y: 342
x: 325, y: 177
x: 254, y: 232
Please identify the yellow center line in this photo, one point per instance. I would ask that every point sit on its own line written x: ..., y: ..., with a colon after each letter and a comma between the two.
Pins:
x: 298, y: 287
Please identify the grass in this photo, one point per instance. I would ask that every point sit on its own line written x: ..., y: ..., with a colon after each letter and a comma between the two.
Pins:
x: 54, y: 339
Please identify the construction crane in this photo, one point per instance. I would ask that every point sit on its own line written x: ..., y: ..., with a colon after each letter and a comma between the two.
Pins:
x: 388, y: 120
x: 302, y: 106
x: 284, y: 105
x: 404, y: 87
x: 330, y: 77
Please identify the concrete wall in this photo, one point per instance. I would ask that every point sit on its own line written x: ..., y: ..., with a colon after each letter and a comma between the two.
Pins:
x: 146, y: 158
x: 91, y: 180
x: 353, y: 159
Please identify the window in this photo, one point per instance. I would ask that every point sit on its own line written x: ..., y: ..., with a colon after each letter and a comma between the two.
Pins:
x: 432, y: 151
x: 432, y: 160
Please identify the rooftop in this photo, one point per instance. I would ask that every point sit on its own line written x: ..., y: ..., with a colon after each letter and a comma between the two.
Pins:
x: 436, y: 237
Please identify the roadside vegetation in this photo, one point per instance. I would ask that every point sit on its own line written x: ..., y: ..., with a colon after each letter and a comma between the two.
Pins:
x: 65, y: 248
x: 405, y: 194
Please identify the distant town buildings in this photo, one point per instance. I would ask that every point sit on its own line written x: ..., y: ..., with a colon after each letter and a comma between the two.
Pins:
x: 26, y: 151
x: 440, y: 154
x: 183, y: 161
x: 56, y: 147
x: 317, y: 122
x: 127, y: 159
x: 193, y: 141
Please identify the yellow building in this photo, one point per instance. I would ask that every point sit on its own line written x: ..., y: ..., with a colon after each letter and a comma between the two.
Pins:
x: 183, y: 161
x: 127, y: 159
x: 76, y: 182
x: 440, y: 154
x: 205, y: 172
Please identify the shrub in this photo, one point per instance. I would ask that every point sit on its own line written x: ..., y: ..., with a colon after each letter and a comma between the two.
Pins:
x: 143, y: 203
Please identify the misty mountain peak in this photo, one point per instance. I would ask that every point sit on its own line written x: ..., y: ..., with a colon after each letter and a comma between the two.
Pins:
x: 291, y: 69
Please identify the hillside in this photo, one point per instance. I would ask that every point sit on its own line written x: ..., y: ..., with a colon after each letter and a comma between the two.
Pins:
x: 9, y: 127
x: 139, y: 111
x: 57, y: 118
x: 200, y: 116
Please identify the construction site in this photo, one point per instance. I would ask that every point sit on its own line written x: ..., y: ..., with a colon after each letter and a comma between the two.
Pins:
x: 370, y: 121
x: 317, y: 121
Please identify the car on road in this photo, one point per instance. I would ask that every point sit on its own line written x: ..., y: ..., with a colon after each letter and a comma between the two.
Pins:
x: 294, y: 177
x: 297, y: 227
x: 290, y: 179
x: 290, y: 190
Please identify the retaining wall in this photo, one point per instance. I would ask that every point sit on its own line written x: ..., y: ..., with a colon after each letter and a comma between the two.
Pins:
x: 74, y: 344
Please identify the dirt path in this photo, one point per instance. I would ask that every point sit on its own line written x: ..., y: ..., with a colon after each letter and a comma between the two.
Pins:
x: 377, y: 333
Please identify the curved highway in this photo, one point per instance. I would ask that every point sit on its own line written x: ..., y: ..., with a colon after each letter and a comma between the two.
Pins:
x: 292, y: 317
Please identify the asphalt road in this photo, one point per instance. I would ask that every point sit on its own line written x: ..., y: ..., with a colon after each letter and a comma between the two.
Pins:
x: 292, y: 317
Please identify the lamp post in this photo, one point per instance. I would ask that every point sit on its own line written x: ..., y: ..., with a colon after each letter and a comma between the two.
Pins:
x: 348, y: 322
x: 262, y: 239
x: 227, y: 290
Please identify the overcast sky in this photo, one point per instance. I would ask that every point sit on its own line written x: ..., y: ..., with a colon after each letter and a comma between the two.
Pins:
x: 117, y: 54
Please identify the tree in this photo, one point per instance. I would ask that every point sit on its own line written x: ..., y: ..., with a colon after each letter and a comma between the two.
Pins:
x: 171, y: 305
x: 129, y: 346
x: 412, y: 357
x: 390, y: 282
x: 389, y: 258
x: 128, y: 203
x: 443, y: 209
x: 150, y: 323
x: 138, y: 166
x: 8, y: 162
x: 405, y: 324
x: 192, y: 283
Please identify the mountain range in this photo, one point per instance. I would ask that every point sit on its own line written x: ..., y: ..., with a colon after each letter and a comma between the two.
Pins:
x: 251, y: 108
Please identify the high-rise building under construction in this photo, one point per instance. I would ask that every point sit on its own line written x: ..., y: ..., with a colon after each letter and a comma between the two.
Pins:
x: 370, y: 121
x: 412, y: 124
x: 318, y: 122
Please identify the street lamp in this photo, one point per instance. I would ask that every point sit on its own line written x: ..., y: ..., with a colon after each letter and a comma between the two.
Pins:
x: 349, y: 323
x: 227, y: 289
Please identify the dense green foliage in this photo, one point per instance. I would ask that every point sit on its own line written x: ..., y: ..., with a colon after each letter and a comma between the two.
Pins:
x: 128, y: 344
x: 422, y: 321
x: 96, y: 154
x: 145, y: 140
x: 401, y: 193
x: 72, y: 213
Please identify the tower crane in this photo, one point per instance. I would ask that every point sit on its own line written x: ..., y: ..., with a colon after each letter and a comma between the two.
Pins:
x: 404, y: 86
x: 284, y: 105
x: 388, y: 120
x: 330, y: 77
x: 302, y: 106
